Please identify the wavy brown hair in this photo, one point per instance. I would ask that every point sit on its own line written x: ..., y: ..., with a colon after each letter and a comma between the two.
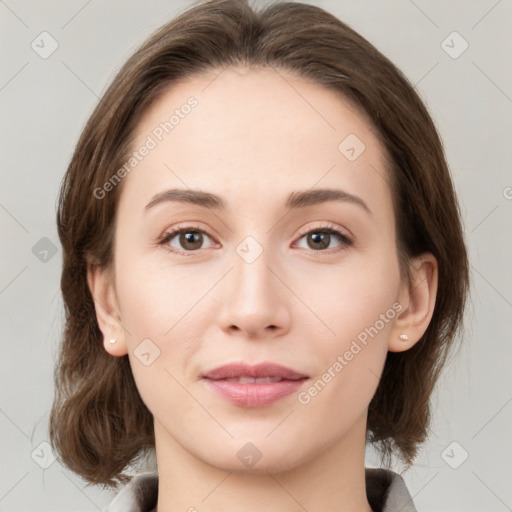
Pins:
x: 98, y: 424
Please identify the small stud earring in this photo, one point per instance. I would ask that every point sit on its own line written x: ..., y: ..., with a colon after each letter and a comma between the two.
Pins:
x: 403, y: 337
x: 112, y: 340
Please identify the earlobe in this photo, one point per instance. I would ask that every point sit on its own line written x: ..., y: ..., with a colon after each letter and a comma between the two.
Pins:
x: 418, y: 298
x: 102, y: 291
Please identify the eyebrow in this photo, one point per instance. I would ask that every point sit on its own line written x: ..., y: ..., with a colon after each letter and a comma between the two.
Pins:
x: 298, y: 199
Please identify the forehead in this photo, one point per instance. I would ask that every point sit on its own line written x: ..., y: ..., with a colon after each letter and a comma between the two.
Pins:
x: 262, y: 129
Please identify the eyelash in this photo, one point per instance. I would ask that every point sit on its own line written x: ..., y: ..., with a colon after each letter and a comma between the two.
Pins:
x: 329, y: 229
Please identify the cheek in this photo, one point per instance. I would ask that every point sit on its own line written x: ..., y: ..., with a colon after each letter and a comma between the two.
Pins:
x: 350, y: 361
x: 355, y: 307
x: 154, y: 297
x: 350, y: 296
x: 162, y: 317
x: 159, y: 335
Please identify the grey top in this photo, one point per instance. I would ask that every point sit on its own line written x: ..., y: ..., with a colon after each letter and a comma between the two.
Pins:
x: 385, y: 489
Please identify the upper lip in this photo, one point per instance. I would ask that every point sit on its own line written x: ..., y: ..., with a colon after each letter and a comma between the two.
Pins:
x: 233, y: 370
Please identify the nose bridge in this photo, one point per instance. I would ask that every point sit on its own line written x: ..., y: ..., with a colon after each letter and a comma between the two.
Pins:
x: 253, y: 278
x: 254, y: 300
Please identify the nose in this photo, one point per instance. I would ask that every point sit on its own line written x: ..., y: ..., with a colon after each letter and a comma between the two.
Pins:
x: 255, y: 302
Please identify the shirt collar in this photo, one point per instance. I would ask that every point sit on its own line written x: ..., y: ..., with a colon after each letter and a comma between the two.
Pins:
x: 386, y: 491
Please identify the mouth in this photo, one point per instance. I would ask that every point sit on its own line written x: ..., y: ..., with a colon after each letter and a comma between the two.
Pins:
x: 244, y: 379
x: 254, y: 386
x: 264, y: 372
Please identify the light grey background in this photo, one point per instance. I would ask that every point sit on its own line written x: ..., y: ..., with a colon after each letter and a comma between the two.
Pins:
x: 44, y: 105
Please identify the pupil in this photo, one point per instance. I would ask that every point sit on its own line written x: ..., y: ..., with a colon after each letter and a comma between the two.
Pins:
x: 320, y: 238
x: 189, y: 238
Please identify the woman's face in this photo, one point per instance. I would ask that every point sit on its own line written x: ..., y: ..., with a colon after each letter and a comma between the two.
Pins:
x: 257, y: 279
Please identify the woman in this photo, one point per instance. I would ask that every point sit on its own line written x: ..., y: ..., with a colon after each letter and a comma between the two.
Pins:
x: 264, y: 269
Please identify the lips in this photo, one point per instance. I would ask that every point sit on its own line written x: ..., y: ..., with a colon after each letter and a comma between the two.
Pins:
x: 236, y: 371
x: 254, y: 386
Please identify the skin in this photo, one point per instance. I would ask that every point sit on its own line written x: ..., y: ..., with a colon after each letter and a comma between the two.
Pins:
x: 254, y: 137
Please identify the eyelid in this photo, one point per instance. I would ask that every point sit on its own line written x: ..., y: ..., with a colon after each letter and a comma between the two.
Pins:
x: 327, y: 226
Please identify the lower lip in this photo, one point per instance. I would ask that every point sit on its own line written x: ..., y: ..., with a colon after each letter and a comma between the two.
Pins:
x: 254, y: 395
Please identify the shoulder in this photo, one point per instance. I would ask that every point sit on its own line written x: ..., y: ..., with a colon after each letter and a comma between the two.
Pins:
x: 387, y: 492
x: 138, y: 495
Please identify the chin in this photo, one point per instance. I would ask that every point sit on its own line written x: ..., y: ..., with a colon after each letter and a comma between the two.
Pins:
x: 273, y: 465
x: 253, y: 457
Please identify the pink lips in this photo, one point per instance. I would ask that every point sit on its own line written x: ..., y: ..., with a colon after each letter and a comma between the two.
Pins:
x: 254, y: 386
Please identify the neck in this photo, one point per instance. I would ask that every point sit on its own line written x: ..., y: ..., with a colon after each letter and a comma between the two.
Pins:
x: 331, y: 481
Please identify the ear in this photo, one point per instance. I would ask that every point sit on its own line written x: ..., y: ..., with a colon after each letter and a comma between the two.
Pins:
x: 417, y: 298
x: 101, y: 286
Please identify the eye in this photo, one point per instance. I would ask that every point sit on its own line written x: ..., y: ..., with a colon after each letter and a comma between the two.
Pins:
x: 321, y: 238
x: 188, y: 238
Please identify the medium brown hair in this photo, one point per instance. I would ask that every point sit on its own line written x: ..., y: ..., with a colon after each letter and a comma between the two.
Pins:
x: 98, y: 423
